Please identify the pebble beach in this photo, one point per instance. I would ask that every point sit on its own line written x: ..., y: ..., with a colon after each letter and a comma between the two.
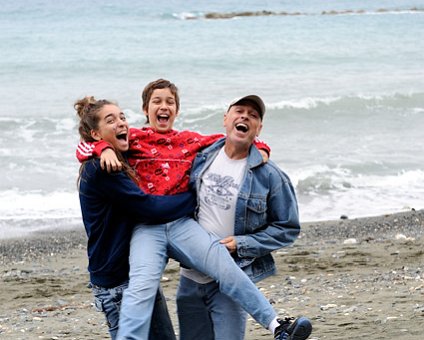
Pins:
x: 354, y: 278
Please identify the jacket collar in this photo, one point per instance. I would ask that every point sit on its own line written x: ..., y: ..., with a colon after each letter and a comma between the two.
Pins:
x: 254, y: 158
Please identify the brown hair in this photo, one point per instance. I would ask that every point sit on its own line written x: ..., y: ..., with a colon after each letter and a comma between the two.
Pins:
x: 158, y: 84
x: 88, y: 109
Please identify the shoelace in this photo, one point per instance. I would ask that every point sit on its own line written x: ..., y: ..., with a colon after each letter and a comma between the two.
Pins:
x: 288, y: 319
x: 284, y: 335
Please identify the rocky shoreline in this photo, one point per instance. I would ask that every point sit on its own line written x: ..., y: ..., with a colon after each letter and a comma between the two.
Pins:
x: 353, y: 278
x: 232, y: 15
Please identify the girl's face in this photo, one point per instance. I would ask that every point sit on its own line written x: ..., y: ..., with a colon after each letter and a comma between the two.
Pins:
x: 162, y: 110
x: 112, y: 128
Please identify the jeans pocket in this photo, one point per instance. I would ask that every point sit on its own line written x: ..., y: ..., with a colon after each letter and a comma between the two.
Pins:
x: 98, y: 304
x: 117, y: 293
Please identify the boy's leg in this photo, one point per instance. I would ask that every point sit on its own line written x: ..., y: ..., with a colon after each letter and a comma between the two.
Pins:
x: 190, y: 244
x: 193, y: 316
x: 147, y: 262
x: 161, y: 325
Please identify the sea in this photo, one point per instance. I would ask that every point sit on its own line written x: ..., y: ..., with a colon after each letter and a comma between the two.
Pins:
x: 343, y: 83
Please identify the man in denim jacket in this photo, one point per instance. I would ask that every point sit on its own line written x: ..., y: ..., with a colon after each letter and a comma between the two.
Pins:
x: 251, y: 206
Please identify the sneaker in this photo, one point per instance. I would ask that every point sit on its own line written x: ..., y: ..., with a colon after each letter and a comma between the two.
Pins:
x: 299, y: 329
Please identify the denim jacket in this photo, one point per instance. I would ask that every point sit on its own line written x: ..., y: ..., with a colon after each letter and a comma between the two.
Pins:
x: 266, y: 210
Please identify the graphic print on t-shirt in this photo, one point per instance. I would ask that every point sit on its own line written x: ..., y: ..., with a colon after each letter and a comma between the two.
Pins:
x: 220, y: 190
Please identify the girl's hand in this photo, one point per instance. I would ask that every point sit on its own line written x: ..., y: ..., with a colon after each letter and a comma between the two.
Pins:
x: 109, y: 161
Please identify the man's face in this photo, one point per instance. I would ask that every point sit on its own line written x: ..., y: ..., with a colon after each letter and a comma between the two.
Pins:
x: 162, y: 110
x: 242, y: 124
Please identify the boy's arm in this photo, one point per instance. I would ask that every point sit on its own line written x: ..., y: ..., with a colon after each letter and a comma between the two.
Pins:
x: 108, y: 159
x: 88, y: 150
x: 261, y: 145
x: 263, y: 148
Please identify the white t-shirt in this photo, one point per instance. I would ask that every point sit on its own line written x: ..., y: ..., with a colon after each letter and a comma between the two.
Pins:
x: 219, y: 188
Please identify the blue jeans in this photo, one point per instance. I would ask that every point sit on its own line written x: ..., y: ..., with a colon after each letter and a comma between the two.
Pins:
x: 205, y: 313
x: 108, y: 301
x: 187, y: 242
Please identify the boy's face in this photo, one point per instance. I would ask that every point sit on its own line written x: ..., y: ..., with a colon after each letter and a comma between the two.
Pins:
x: 162, y: 110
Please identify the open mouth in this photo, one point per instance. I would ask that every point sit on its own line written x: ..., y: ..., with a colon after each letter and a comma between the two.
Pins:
x: 122, y: 136
x: 242, y: 127
x: 163, y: 118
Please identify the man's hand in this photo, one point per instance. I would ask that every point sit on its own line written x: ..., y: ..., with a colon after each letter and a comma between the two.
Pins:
x: 109, y: 161
x: 265, y: 155
x: 230, y: 243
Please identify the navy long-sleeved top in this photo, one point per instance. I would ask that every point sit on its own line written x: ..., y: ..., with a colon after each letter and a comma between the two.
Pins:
x: 111, y: 205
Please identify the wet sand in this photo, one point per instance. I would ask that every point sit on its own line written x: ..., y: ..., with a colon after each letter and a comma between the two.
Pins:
x: 359, y: 278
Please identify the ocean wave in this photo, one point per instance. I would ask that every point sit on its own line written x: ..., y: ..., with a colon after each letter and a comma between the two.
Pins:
x: 327, y: 194
x: 234, y: 15
x: 304, y: 103
x: 49, y: 122
x: 322, y: 180
x: 11, y: 228
x: 17, y: 131
x: 413, y: 102
x: 187, y: 15
x: 21, y: 205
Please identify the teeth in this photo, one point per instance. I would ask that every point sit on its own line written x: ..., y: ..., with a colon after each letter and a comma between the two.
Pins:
x: 242, y: 127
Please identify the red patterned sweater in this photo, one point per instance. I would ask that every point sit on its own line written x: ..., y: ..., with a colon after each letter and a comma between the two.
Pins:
x: 162, y: 160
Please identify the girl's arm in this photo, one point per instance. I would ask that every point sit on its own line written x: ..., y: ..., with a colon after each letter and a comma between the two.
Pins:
x: 119, y: 189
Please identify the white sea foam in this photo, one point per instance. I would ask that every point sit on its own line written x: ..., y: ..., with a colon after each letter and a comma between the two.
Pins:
x: 18, y: 205
x: 65, y: 124
x: 303, y: 103
x: 187, y: 15
x: 328, y: 197
x: 18, y: 228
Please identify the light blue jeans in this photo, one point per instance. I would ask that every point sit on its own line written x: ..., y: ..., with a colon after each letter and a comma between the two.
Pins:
x: 187, y: 242
x: 205, y: 313
x: 108, y: 301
